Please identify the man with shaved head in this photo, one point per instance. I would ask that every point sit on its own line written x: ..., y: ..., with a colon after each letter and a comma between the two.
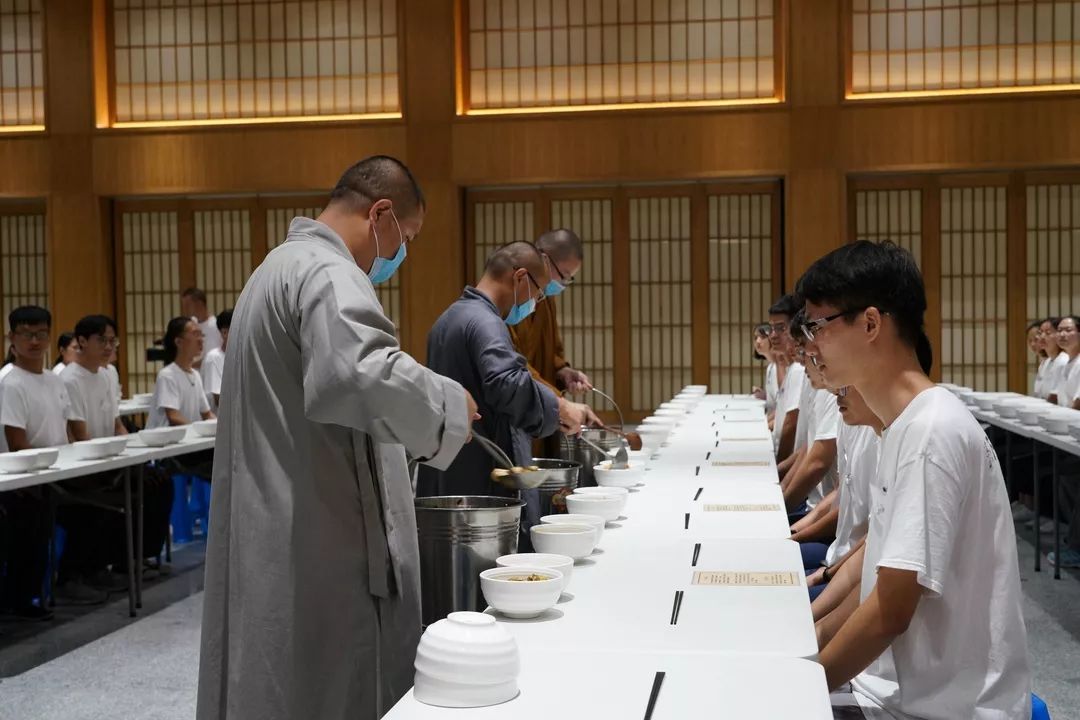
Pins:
x: 471, y: 343
x: 312, y: 605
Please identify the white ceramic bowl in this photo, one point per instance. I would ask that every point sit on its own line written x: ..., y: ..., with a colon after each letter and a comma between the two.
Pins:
x: 1058, y: 421
x: 95, y: 449
x: 118, y: 444
x: 521, y: 598
x: 577, y: 541
x: 663, y: 422
x: 142, y: 397
x: 652, y: 438
x: 1011, y: 407
x: 679, y: 406
x: 205, y: 428
x: 696, y: 389
x: 160, y: 437
x: 563, y: 563
x: 676, y: 413
x: 466, y: 660
x: 606, y: 476
x: 608, y: 507
x: 1074, y: 430
x: 15, y: 462
x: 985, y: 401
x: 968, y: 396
x: 44, y: 458
x: 1031, y: 414
x: 617, y: 491
x: 594, y: 521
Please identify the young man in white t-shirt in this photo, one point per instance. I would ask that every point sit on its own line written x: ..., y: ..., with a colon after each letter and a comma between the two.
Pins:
x: 95, y: 409
x: 787, y: 401
x: 935, y: 629
x: 213, y: 364
x: 193, y: 305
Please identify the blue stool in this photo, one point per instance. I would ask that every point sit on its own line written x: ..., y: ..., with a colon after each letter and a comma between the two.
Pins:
x: 1038, y: 708
x: 200, y: 504
x: 180, y: 517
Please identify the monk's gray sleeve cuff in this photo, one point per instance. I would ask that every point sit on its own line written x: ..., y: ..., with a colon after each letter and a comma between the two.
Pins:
x: 455, y: 425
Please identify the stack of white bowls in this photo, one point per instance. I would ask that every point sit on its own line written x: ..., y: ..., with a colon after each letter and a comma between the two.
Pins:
x: 466, y: 660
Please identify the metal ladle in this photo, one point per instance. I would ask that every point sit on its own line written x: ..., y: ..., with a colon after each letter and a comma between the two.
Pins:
x: 620, y: 461
x: 526, y: 480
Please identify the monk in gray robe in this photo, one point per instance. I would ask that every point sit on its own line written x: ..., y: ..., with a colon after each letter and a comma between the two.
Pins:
x: 312, y: 605
x: 471, y: 343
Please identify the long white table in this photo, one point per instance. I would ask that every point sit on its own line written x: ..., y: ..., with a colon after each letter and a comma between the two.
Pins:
x: 130, y: 464
x: 709, y: 503
x: 131, y: 406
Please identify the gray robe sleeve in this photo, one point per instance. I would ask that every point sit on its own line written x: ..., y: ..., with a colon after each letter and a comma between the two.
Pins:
x: 356, y: 375
x: 508, y: 385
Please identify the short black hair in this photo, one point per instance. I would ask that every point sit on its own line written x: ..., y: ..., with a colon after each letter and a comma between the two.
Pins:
x: 29, y: 315
x: 375, y: 178
x: 65, y: 339
x: 1074, y: 318
x: 561, y: 244
x: 174, y: 330
x: 795, y: 327
x: 93, y: 325
x: 514, y: 255
x: 224, y: 319
x: 865, y: 274
x: 787, y: 305
x: 1053, y: 320
x: 1034, y: 324
x: 924, y: 351
x: 195, y: 294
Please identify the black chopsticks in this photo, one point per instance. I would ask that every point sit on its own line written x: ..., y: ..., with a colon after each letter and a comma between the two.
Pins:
x: 686, y: 522
x: 676, y: 607
x: 697, y: 471
x: 697, y: 552
x: 654, y: 694
x: 708, y: 455
x: 698, y: 493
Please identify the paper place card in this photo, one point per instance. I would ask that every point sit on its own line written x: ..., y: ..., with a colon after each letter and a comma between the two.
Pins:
x: 744, y: 507
x: 739, y: 463
x: 740, y: 578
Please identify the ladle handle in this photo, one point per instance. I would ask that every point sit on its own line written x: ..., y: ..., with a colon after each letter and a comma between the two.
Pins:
x: 492, y: 449
x: 601, y: 393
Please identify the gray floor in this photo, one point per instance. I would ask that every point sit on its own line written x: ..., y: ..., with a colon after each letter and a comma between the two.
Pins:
x: 147, y: 670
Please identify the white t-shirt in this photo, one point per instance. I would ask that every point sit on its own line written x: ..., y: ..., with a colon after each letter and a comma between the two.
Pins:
x: 5, y: 370
x: 1070, y: 384
x: 92, y: 399
x: 211, y: 334
x: 787, y: 399
x: 213, y: 365
x: 59, y: 368
x: 856, y: 463
x: 1057, y: 373
x: 177, y: 390
x: 822, y: 424
x: 1039, y: 388
x: 37, y: 403
x: 114, y: 381
x: 938, y: 507
x: 772, y: 387
x: 806, y: 406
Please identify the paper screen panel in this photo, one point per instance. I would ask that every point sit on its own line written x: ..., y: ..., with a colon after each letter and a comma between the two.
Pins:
x: 222, y: 255
x: 893, y: 215
x: 497, y: 223
x: 22, y: 63
x: 24, y: 276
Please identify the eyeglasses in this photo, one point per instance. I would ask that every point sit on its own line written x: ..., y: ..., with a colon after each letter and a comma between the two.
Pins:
x: 809, y: 328
x: 533, y: 281
x: 108, y: 341
x: 40, y: 335
x: 563, y: 280
x: 777, y: 328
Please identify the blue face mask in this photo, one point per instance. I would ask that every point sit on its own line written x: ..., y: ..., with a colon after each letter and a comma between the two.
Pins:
x: 553, y: 288
x: 522, y: 311
x: 383, y: 269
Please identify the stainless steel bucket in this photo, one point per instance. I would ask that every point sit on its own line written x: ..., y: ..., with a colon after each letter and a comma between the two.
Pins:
x: 577, y: 451
x: 561, y: 478
x: 460, y: 536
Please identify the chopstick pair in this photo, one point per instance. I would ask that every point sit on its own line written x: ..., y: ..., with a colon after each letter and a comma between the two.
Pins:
x: 676, y: 607
x: 697, y: 552
x: 654, y: 694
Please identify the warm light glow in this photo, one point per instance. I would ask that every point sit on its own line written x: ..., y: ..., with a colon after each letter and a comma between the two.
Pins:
x: 623, y: 106
x: 952, y: 92
x: 21, y: 128
x: 253, y: 121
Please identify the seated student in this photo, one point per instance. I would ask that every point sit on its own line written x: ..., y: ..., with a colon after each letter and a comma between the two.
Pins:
x: 935, y: 628
x: 856, y: 450
x: 1038, y: 348
x: 814, y: 475
x: 9, y: 363
x: 762, y: 351
x: 33, y: 415
x: 213, y: 363
x: 67, y: 348
x: 95, y: 410
x: 179, y: 398
x: 786, y: 416
x: 1067, y: 339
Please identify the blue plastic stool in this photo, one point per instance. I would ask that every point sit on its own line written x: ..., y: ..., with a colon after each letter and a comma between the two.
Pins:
x: 200, y: 504
x: 180, y: 517
x: 1038, y: 708
x: 59, y: 538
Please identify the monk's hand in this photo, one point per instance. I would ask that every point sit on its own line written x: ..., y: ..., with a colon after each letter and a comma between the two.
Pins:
x: 572, y: 416
x: 472, y: 409
x: 575, y: 381
x: 590, y: 418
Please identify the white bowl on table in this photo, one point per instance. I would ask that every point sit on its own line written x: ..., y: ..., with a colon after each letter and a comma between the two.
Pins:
x: 617, y: 491
x: 18, y: 462
x: 160, y: 437
x: 1074, y: 430
x: 985, y: 401
x: 968, y: 396
x: 466, y: 660
x: 96, y: 449
x: 606, y: 506
x: 506, y: 591
x: 118, y: 444
x: 142, y: 398
x: 656, y: 421
x: 696, y: 389
x: 594, y: 521
x: 1011, y: 407
x: 563, y: 563
x: 44, y: 458
x: 1058, y: 420
x: 607, y: 476
x: 678, y: 414
x: 575, y: 540
x: 205, y: 428
x: 1032, y: 414
x: 652, y: 438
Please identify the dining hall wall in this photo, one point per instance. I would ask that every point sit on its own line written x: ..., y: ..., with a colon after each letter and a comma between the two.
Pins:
x: 814, y: 141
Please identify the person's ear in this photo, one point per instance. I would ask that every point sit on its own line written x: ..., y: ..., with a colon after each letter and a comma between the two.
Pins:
x: 872, y: 324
